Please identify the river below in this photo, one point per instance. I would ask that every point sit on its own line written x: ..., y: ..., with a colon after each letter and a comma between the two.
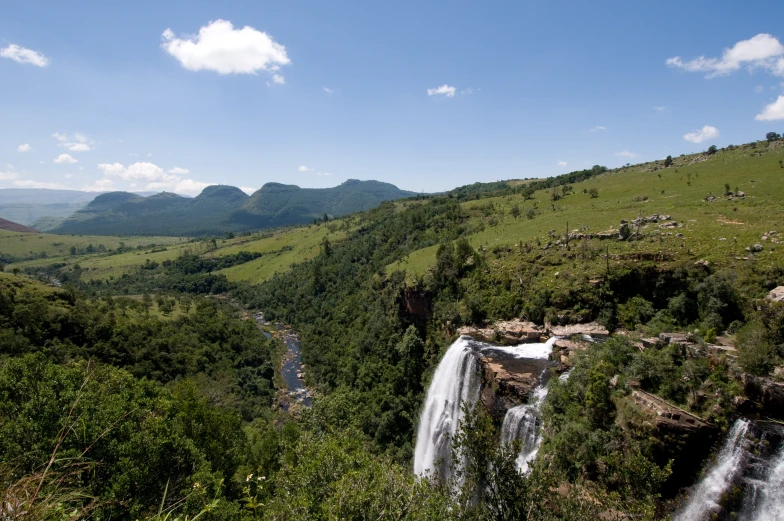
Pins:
x: 291, y: 370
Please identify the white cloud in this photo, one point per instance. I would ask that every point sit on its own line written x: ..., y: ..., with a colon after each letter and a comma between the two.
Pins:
x: 100, y: 185
x: 469, y: 90
x: 303, y: 168
x: 704, y: 134
x: 181, y: 186
x: 562, y: 162
x: 29, y: 183
x: 327, y: 90
x: 24, y: 148
x: 759, y: 88
x: 626, y: 153
x: 444, y: 90
x: 22, y: 55
x: 67, y: 176
x: 65, y: 159
x: 77, y: 143
x: 760, y: 52
x: 659, y: 108
x: 277, y: 78
x: 598, y: 128
x: 8, y: 176
x: 772, y: 112
x: 323, y: 173
x: 248, y: 190
x: 221, y: 48
x: 156, y: 177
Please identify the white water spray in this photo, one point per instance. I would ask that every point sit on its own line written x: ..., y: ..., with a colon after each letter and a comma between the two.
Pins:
x: 771, y: 504
x: 704, y: 499
x: 455, y: 381
x: 523, y: 423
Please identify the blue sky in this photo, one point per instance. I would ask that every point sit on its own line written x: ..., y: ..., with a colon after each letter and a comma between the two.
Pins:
x: 425, y: 95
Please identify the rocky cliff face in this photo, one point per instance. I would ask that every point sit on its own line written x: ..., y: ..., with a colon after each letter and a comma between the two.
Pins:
x: 766, y: 396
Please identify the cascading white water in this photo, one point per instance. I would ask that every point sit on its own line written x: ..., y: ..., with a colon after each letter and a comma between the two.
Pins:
x: 771, y: 504
x: 522, y: 423
x: 455, y: 381
x: 705, y: 497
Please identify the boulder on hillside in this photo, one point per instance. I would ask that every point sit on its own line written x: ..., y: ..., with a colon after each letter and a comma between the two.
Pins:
x: 776, y: 295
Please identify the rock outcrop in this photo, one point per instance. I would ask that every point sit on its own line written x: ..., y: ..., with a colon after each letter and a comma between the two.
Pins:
x: 766, y: 395
x: 520, y: 332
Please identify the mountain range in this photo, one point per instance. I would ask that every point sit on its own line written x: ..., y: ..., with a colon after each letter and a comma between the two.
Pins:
x: 220, y: 209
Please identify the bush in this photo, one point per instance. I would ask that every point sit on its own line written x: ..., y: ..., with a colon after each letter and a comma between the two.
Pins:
x: 755, y: 353
x: 636, y: 311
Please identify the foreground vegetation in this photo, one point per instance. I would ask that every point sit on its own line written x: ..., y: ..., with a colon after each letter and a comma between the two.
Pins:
x: 155, y: 390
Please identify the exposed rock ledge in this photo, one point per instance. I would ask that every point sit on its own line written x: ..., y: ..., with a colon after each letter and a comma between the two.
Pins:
x: 520, y: 332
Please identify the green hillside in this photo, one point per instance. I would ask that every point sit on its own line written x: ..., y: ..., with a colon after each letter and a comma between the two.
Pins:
x: 220, y: 209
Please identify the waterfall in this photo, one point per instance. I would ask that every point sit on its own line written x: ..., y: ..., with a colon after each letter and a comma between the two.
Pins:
x: 455, y: 381
x: 523, y: 423
x: 704, y: 499
x: 771, y: 503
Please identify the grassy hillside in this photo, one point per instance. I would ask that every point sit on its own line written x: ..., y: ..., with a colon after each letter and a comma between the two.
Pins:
x: 280, y: 249
x: 26, y: 249
x: 221, y: 209
x: 717, y: 231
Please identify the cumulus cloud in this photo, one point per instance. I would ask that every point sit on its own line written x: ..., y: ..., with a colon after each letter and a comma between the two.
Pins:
x: 22, y: 55
x: 277, y: 78
x: 221, y: 48
x: 10, y: 175
x: 625, y: 153
x: 303, y: 168
x: 156, y: 177
x: 760, y: 52
x: 598, y: 128
x: 562, y: 162
x: 772, y: 112
x: 248, y: 190
x: 706, y: 133
x: 65, y: 159
x: 76, y: 143
x: 67, y: 176
x: 100, y: 185
x: 443, y: 90
x: 327, y: 90
x: 24, y: 148
x: 323, y: 173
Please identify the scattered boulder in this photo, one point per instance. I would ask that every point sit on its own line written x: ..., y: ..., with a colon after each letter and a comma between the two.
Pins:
x: 776, y: 295
x: 756, y: 248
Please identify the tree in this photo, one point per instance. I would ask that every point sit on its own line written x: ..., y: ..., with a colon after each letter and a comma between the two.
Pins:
x: 594, y: 193
x: 668, y: 161
x: 772, y: 136
x: 515, y: 212
x: 711, y: 150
